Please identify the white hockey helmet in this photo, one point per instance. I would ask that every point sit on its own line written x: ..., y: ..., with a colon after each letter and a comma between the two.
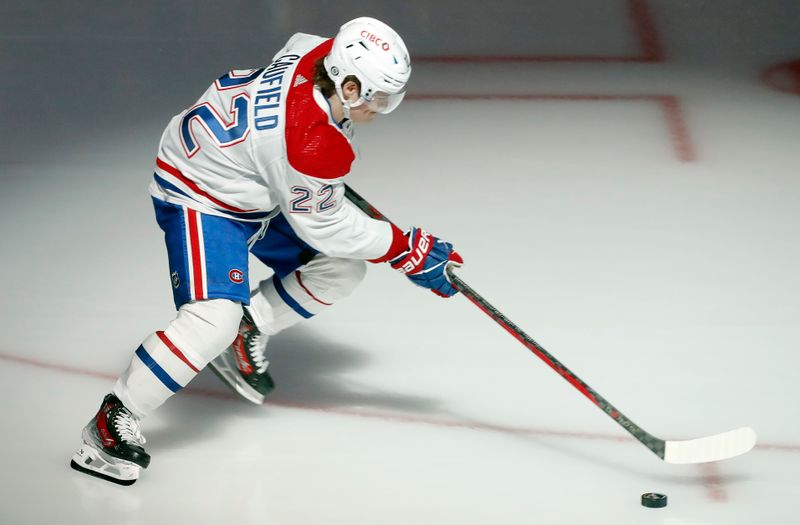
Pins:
x: 376, y: 55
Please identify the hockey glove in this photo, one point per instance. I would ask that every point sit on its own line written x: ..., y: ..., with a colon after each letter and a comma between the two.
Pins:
x: 425, y: 261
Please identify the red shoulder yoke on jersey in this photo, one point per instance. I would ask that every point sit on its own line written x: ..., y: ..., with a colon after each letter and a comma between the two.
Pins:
x: 314, y: 146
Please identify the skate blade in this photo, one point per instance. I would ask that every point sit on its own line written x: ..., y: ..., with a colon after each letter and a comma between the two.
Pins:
x: 93, y: 462
x: 231, y: 377
x: 124, y: 482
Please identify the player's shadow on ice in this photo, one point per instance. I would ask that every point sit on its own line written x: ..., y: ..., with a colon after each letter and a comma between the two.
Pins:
x: 310, y: 372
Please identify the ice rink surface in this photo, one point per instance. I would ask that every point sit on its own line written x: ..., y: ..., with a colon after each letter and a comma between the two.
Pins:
x: 622, y: 178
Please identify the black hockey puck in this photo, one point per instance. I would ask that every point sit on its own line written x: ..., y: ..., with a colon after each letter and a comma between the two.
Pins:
x: 654, y: 500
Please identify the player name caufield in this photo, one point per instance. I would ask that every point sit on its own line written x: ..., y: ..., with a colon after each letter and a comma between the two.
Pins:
x: 268, y: 97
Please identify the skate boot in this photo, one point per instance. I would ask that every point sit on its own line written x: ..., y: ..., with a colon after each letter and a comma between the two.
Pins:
x: 243, y: 366
x: 112, y: 445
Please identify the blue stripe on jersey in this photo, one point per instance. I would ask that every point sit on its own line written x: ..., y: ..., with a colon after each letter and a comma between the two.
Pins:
x: 168, y: 186
x: 154, y: 367
x: 288, y: 299
x: 253, y: 215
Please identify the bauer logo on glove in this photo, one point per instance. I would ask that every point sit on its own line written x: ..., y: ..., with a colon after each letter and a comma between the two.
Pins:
x: 426, y: 260
x: 411, y: 263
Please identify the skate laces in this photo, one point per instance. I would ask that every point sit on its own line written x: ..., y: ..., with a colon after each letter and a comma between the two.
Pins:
x: 255, y: 341
x: 127, y: 427
x: 256, y: 347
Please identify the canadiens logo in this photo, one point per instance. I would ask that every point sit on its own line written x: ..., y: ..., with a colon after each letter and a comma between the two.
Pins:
x: 176, y: 280
x: 236, y: 276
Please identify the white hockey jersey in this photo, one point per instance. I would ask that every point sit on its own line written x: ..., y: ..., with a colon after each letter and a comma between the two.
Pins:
x: 263, y: 141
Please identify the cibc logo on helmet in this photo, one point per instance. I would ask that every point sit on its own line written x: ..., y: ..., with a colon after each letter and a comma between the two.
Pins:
x: 378, y: 41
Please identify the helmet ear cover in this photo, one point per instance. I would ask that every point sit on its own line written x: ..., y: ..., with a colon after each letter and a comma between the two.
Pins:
x: 323, y: 80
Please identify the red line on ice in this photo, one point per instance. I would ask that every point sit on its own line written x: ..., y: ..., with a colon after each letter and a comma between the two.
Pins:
x: 645, y: 27
x: 383, y: 416
x: 713, y: 482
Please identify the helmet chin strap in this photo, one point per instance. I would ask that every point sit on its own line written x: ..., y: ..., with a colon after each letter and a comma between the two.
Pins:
x: 346, y: 124
x: 345, y: 103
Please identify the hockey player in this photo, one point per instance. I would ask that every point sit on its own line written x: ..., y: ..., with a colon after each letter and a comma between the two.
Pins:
x: 257, y: 165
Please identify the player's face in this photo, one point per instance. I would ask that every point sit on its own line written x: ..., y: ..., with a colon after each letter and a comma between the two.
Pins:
x: 361, y: 114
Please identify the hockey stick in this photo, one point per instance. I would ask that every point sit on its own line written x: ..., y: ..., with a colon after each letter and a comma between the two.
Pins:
x: 712, y: 448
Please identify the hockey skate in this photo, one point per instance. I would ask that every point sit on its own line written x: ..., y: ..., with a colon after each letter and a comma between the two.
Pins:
x: 243, y: 365
x: 112, y: 445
